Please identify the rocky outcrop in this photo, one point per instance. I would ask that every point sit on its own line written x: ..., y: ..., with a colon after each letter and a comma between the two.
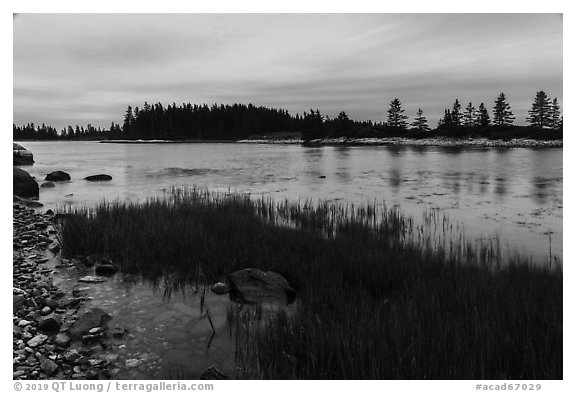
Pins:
x: 254, y: 286
x: 24, y: 185
x: 57, y: 176
x: 21, y: 156
x: 100, y: 177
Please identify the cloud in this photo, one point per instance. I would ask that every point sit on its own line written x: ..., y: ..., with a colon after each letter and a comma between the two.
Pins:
x: 86, y: 68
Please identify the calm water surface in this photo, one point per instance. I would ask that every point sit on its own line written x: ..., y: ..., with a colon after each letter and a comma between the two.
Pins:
x: 515, y: 194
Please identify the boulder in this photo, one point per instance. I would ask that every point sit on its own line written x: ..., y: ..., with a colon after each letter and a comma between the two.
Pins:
x: 100, y: 177
x: 57, y: 176
x: 105, y: 270
x: 47, y: 184
x: 254, y: 286
x: 24, y: 185
x: 21, y: 156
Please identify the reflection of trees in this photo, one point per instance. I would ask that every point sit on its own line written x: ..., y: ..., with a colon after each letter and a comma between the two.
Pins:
x: 540, y: 189
x: 501, y: 187
x: 395, y: 178
x: 342, y: 154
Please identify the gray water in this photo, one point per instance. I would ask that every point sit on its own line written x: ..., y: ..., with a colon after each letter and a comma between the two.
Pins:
x: 512, y: 194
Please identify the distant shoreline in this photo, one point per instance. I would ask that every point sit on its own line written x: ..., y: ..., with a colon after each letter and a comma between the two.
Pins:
x: 343, y: 141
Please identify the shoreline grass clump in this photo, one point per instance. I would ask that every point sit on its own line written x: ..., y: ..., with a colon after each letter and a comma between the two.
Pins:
x: 379, y: 297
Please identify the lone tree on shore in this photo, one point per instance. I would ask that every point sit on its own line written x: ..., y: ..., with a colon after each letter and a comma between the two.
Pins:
x: 482, y: 117
x: 503, y: 116
x: 396, y: 116
x: 541, y: 113
x: 469, y: 115
x: 420, y: 122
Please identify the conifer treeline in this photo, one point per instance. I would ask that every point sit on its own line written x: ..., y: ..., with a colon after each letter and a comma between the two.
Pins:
x: 219, y: 122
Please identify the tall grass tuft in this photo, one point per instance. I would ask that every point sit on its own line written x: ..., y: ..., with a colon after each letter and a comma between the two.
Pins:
x: 379, y: 296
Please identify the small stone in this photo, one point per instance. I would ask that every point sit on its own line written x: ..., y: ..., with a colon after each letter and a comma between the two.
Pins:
x: 46, y: 310
x: 62, y: 340
x: 50, y: 323
x: 37, y: 340
x: 92, y: 279
x: 220, y: 288
x: 24, y: 323
x: 132, y: 363
x: 48, y: 367
x: 95, y: 330
x: 18, y: 374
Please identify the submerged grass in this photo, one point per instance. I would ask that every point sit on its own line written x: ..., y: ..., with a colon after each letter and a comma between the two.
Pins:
x: 379, y: 297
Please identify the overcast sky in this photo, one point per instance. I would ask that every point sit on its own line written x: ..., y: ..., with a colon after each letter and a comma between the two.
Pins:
x: 86, y: 68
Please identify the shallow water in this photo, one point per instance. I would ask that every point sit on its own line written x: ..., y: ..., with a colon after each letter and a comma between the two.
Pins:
x: 515, y: 194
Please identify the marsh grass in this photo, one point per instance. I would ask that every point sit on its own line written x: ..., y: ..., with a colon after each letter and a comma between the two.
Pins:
x: 379, y: 296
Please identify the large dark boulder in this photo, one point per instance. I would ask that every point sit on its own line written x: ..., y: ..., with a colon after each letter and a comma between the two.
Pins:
x: 21, y: 156
x: 57, y: 176
x: 100, y: 177
x: 24, y: 185
x: 254, y: 286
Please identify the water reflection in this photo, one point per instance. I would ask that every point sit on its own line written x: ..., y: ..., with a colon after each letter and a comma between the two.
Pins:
x: 541, y: 189
x: 501, y: 188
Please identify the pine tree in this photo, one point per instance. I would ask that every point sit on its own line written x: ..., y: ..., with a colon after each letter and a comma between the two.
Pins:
x: 482, y: 117
x: 446, y: 121
x: 420, y: 122
x: 503, y: 116
x: 456, y: 115
x: 469, y: 115
x: 541, y: 113
x: 556, y: 120
x: 396, y: 116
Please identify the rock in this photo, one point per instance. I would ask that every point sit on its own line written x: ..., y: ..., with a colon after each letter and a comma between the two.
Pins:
x: 106, y: 270
x: 24, y: 185
x: 18, y: 374
x: 45, y: 310
x: 118, y: 332
x: 50, y: 323
x: 33, y: 204
x: 254, y: 286
x: 48, y: 367
x: 21, y: 156
x: 220, y: 288
x: 57, y: 176
x: 100, y: 177
x: 92, y: 279
x: 47, y: 184
x: 54, y: 248
x: 90, y: 319
x: 62, y: 340
x: 212, y: 373
x: 18, y: 302
x: 132, y: 363
x: 37, y: 340
x: 322, y: 177
x: 71, y: 356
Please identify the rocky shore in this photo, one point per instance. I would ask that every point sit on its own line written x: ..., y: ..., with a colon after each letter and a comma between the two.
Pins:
x: 51, y: 339
x: 442, y: 142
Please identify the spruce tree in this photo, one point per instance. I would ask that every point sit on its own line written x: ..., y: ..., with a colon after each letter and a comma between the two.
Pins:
x: 482, y: 117
x: 541, y: 113
x: 503, y: 116
x: 556, y: 120
x: 469, y: 115
x: 456, y: 115
x: 420, y: 122
x: 396, y: 116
